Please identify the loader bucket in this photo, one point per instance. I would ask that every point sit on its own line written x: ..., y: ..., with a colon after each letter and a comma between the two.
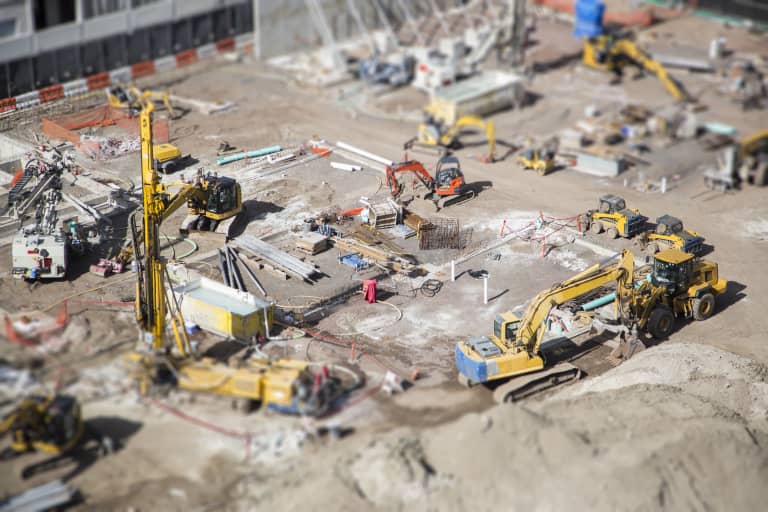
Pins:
x: 629, y: 345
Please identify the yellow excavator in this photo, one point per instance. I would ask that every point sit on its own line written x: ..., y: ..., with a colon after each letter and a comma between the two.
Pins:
x: 131, y: 98
x: 677, y: 286
x: 611, y: 53
x: 288, y: 385
x: 433, y: 132
x: 51, y: 425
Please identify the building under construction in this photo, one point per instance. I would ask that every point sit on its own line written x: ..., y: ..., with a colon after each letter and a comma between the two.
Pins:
x: 264, y: 254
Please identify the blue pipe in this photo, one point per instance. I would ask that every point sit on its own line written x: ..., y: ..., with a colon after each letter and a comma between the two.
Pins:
x: 600, y: 301
x: 249, y: 154
x: 605, y: 299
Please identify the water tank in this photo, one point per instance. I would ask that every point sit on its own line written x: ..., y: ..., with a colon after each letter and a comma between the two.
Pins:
x: 589, y: 18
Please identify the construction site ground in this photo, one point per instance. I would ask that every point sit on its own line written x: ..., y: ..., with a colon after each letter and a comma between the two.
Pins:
x: 681, y: 425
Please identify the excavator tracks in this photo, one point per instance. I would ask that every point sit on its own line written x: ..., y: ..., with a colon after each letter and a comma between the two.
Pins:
x: 522, y: 387
x: 456, y: 200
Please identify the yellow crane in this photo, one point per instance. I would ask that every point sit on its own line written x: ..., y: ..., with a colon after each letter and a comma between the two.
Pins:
x: 610, y: 53
x: 290, y: 385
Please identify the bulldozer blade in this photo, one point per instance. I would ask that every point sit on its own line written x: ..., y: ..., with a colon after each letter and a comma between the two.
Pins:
x: 628, y: 346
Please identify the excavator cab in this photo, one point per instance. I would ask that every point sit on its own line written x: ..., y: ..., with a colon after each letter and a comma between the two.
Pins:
x: 505, y: 328
x: 223, y: 196
x: 448, y: 175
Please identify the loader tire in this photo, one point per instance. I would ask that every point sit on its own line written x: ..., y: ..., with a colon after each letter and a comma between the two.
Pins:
x: 612, y: 232
x: 661, y: 322
x: 596, y: 227
x: 703, y: 307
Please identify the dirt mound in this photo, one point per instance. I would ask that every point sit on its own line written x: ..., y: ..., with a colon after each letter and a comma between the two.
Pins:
x: 659, y: 433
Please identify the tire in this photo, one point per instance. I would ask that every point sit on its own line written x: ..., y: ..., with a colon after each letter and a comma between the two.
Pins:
x: 703, y: 307
x: 204, y: 224
x: 596, y: 227
x: 612, y: 232
x: 214, y: 225
x: 661, y: 322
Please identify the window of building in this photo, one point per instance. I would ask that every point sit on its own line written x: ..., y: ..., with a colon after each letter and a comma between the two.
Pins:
x: 46, y: 71
x: 19, y: 77
x: 139, y: 3
x: 202, y: 30
x: 49, y: 13
x: 182, y: 35
x: 93, y: 8
x: 68, y: 63
x: 91, y: 58
x: 7, y: 28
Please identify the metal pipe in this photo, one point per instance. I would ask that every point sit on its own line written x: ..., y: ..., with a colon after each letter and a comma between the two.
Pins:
x: 248, y: 154
x: 222, y: 264
x: 232, y: 280
x: 364, y: 153
x: 236, y: 270
x: 250, y: 273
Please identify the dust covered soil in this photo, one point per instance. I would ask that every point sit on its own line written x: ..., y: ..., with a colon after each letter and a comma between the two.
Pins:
x: 678, y: 427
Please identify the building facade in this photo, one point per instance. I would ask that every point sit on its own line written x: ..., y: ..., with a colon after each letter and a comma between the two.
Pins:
x: 49, y: 42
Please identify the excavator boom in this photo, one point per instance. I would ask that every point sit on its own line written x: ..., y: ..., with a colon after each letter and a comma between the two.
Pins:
x: 514, y: 348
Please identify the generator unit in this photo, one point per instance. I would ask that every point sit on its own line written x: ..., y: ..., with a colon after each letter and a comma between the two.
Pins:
x: 38, y: 256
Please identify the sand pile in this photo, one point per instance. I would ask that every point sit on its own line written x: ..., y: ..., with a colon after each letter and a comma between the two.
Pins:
x: 678, y: 427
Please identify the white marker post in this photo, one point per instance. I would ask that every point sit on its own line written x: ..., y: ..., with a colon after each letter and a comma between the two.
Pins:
x: 453, y: 270
x: 485, y: 289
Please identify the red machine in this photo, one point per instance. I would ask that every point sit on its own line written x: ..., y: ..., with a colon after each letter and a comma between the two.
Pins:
x: 448, y: 184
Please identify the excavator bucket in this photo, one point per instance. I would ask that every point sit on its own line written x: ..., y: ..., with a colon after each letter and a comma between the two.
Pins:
x: 629, y: 345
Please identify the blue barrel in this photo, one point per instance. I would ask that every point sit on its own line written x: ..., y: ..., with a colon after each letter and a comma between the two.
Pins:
x: 589, y: 18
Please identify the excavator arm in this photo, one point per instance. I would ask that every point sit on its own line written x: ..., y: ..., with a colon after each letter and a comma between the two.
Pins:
x: 532, y: 327
x: 472, y: 121
x: 412, y: 166
x: 629, y: 48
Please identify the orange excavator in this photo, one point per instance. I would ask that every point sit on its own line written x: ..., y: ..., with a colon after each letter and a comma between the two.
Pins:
x: 446, y: 188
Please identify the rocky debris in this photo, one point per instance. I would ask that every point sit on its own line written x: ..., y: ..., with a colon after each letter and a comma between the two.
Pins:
x: 661, y: 432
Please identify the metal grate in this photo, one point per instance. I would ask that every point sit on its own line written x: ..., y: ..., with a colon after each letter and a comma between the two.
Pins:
x: 443, y: 234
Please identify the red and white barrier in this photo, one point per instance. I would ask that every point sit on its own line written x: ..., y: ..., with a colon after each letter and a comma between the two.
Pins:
x: 242, y: 43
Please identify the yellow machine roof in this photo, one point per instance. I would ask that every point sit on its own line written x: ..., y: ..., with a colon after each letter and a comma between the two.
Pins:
x: 673, y: 256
